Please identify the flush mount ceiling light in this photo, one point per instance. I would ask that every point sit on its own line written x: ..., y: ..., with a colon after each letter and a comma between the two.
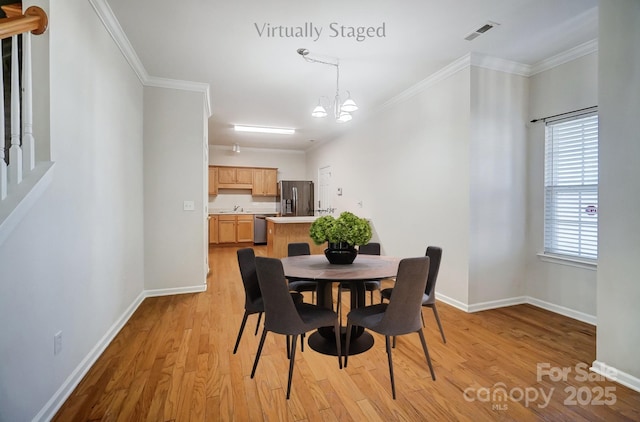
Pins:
x: 341, y: 110
x: 260, y: 129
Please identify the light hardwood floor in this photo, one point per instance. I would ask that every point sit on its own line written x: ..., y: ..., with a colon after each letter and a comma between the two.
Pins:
x: 173, y: 361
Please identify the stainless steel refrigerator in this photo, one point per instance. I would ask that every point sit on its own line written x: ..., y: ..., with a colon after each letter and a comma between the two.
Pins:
x: 295, y: 198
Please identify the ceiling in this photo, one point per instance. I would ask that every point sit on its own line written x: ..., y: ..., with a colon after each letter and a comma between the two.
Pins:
x: 260, y: 80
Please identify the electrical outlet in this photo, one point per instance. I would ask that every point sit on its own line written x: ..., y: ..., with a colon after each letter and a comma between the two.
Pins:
x: 189, y: 206
x: 57, y: 343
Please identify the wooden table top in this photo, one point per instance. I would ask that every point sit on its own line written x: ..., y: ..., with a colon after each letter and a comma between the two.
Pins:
x: 316, y: 267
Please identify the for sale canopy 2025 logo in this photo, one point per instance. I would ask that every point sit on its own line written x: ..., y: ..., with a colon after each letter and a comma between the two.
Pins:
x: 499, y: 395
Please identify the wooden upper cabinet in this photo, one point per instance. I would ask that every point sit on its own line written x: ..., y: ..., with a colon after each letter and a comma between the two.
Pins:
x: 261, y: 181
x: 271, y: 182
x: 265, y: 182
x: 235, y: 177
x: 213, y: 180
x: 244, y: 176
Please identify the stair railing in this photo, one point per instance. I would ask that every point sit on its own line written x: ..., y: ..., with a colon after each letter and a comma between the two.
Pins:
x: 22, y: 151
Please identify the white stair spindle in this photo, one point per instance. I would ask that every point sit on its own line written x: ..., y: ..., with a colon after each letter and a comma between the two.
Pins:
x: 28, y: 142
x: 3, y: 164
x: 15, y: 152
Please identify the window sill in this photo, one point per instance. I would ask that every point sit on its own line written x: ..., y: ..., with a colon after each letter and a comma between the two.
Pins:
x: 570, y: 261
x: 19, y: 201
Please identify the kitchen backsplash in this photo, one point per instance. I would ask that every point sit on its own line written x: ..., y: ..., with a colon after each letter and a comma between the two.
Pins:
x: 245, y: 201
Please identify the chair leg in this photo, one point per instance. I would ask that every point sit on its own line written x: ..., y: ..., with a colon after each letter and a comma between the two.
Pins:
x: 346, y: 347
x: 258, y: 324
x: 422, y: 317
x: 394, y: 342
x: 302, y: 343
x: 426, y: 353
x: 372, y: 297
x: 288, y: 346
x: 255, y: 363
x: 393, y: 384
x: 336, y: 328
x: 244, y: 322
x: 291, y: 362
x: 435, y: 312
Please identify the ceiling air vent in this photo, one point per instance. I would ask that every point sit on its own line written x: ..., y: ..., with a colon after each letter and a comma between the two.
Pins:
x: 484, y: 28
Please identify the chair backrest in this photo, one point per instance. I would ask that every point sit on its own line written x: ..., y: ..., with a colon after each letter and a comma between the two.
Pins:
x: 369, y: 249
x: 281, y: 315
x: 402, y: 315
x: 435, y: 255
x: 297, y: 249
x: 247, y: 263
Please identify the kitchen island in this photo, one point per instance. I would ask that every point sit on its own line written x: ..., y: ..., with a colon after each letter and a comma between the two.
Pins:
x: 284, y: 230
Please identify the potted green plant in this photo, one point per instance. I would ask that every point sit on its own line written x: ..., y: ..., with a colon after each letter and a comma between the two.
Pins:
x: 341, y: 234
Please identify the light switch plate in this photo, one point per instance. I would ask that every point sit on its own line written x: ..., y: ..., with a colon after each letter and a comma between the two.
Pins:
x: 189, y: 206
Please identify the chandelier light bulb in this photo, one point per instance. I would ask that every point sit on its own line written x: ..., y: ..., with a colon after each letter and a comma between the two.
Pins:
x: 349, y: 105
x: 344, y: 117
x: 319, y: 111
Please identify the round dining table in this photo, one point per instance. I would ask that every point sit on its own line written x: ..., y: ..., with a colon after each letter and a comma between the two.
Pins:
x: 317, y: 268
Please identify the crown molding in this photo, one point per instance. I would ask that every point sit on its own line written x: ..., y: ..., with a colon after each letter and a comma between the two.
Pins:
x: 566, y: 56
x: 181, y: 85
x: 450, y: 69
x: 500, y: 65
x: 111, y: 24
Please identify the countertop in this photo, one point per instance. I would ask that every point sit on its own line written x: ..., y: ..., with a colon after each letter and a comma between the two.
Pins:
x: 292, y: 220
x: 218, y: 212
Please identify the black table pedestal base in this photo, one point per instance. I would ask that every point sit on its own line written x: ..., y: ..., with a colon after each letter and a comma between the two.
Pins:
x: 323, y: 345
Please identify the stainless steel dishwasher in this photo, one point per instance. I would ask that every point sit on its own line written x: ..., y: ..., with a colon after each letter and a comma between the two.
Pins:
x: 260, y: 228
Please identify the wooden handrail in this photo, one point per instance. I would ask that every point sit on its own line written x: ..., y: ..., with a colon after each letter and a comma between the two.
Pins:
x: 34, y: 20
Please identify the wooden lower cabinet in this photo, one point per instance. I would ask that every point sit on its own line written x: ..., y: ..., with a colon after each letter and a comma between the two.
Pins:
x: 231, y: 229
x: 227, y: 229
x: 213, y: 229
x: 244, y: 228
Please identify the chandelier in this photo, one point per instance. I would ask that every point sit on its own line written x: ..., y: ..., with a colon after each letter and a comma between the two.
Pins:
x: 341, y: 110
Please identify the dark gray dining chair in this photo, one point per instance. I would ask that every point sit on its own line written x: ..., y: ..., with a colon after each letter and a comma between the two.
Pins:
x: 372, y: 248
x: 429, y: 295
x: 401, y: 315
x: 253, y: 303
x: 297, y: 249
x: 283, y: 316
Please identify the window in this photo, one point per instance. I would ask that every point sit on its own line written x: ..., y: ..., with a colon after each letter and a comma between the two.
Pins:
x: 571, y: 187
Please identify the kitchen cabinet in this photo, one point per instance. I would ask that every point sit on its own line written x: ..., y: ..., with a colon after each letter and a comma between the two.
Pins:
x: 213, y: 229
x: 235, y: 177
x: 226, y: 229
x: 232, y: 228
x: 213, y: 180
x: 244, y: 228
x: 265, y: 182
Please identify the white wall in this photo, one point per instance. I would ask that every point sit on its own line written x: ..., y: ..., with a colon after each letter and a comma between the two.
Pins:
x: 75, y: 262
x: 291, y: 165
x: 568, y: 87
x: 409, y: 165
x: 174, y: 172
x: 618, y: 339
x: 497, y: 185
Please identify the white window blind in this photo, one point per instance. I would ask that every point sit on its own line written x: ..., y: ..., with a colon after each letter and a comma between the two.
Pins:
x: 571, y: 187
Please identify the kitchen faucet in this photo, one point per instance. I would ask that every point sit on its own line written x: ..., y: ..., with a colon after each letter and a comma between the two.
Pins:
x: 235, y: 207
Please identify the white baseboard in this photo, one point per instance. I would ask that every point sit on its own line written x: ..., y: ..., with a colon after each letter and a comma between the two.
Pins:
x: 453, y: 302
x: 616, y: 375
x: 176, y: 291
x: 501, y: 303
x: 568, y: 312
x: 493, y: 304
x: 57, y: 400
